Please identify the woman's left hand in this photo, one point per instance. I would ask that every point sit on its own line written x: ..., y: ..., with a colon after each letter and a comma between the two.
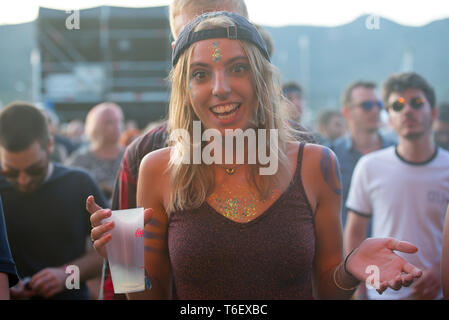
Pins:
x: 392, y: 270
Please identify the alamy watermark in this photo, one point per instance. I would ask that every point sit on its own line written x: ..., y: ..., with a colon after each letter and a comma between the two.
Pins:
x: 212, y: 153
x: 373, y: 280
x: 372, y: 22
x: 73, y: 20
x: 73, y: 280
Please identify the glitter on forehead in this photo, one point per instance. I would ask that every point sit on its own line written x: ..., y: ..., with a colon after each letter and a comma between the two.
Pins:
x: 216, y: 54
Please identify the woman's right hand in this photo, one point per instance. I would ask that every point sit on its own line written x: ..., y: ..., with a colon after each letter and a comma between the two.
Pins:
x: 99, y: 233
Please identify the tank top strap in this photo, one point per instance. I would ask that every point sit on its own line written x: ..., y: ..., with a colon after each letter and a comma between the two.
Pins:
x: 299, y: 161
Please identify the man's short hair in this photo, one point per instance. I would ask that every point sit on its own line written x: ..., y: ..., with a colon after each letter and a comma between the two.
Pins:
x: 346, y: 97
x: 201, y: 6
x: 290, y: 87
x: 325, y: 116
x: 21, y: 124
x: 443, y: 112
x: 408, y: 80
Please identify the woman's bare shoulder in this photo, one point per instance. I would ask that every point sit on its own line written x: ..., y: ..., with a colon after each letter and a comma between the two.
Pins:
x: 314, y: 153
x: 156, y: 161
x: 153, y: 172
x: 319, y: 168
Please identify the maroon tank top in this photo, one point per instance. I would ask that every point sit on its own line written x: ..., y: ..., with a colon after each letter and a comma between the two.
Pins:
x: 270, y: 257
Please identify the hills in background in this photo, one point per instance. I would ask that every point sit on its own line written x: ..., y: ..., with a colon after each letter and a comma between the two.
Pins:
x: 330, y: 58
x: 340, y: 55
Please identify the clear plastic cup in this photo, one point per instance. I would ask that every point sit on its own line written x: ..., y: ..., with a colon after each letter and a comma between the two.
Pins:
x: 126, y: 250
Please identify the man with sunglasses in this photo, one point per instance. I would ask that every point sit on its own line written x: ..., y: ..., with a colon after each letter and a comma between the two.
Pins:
x: 44, y: 209
x: 404, y: 189
x: 361, y: 108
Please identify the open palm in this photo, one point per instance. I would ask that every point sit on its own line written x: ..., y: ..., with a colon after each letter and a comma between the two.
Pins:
x: 393, y: 270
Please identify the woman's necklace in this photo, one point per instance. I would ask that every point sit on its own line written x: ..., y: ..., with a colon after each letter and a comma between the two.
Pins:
x: 229, y: 170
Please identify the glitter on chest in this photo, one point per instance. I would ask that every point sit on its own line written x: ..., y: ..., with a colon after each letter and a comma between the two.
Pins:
x: 241, y: 208
x: 236, y: 208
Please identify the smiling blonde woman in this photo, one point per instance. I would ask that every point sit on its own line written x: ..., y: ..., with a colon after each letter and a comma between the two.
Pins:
x: 223, y: 231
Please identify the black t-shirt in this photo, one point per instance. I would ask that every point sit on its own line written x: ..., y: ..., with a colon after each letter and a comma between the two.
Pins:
x: 7, y: 264
x: 48, y: 228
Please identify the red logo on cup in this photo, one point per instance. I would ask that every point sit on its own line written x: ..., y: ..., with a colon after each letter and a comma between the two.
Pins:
x: 139, y: 233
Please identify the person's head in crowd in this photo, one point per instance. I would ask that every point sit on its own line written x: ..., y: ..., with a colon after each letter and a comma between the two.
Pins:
x: 74, y: 130
x: 131, y: 124
x: 331, y: 124
x: 52, y: 120
x: 441, y: 126
x: 411, y: 105
x: 293, y: 108
x: 25, y: 146
x: 183, y: 11
x: 361, y: 107
x: 104, y: 125
x: 60, y: 150
x: 128, y: 136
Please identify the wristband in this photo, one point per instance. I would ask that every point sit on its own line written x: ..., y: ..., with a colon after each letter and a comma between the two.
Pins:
x: 346, y: 260
x: 338, y: 285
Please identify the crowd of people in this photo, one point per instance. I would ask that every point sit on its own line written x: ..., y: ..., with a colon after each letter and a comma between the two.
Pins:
x: 350, y: 193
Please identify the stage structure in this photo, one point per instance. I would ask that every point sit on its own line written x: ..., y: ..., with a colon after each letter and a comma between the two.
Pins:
x: 104, y: 54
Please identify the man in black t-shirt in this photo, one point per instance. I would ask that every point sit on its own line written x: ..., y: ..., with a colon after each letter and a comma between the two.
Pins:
x: 43, y: 202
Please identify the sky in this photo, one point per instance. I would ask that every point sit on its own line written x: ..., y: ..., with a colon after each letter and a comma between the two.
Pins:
x: 265, y: 12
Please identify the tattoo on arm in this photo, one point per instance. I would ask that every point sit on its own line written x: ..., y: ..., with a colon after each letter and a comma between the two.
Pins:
x: 157, y: 236
x: 153, y: 235
x: 154, y: 250
x: 327, y: 171
x: 155, y: 223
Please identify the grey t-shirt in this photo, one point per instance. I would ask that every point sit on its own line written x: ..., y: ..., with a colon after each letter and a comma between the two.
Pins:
x: 103, y: 171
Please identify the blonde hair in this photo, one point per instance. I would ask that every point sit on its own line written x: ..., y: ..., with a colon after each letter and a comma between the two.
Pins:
x: 192, y: 183
x: 198, y: 7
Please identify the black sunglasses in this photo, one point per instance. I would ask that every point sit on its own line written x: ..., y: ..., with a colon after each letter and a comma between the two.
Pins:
x: 34, y: 170
x: 369, y: 104
x: 415, y: 103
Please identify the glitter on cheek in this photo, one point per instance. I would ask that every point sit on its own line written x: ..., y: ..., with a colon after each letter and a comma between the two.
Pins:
x: 190, y: 88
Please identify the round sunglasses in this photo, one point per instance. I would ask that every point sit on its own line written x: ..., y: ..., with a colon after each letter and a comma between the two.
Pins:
x: 415, y: 103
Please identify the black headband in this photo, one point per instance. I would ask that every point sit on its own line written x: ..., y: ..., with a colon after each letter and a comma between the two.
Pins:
x: 243, y: 30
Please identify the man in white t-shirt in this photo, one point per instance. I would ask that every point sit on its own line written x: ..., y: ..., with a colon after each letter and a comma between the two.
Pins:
x: 404, y: 188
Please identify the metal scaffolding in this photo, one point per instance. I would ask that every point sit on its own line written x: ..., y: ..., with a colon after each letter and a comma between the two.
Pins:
x: 115, y: 54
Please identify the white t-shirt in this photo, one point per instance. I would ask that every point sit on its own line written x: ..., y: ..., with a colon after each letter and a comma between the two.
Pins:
x: 406, y: 201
